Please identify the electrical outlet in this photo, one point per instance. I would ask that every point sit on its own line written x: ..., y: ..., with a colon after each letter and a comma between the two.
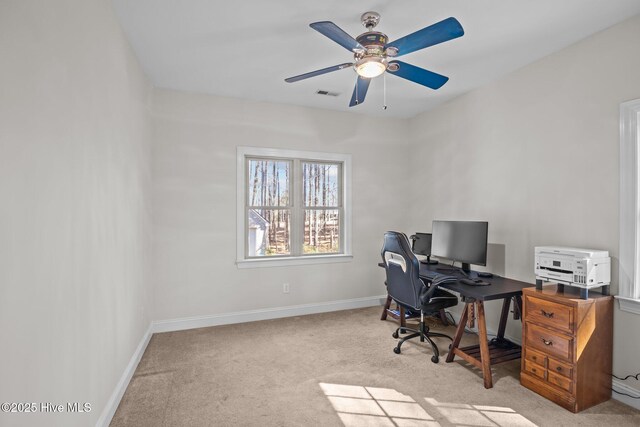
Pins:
x: 285, y: 288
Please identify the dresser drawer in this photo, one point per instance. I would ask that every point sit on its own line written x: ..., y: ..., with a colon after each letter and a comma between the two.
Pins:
x: 549, y: 313
x: 534, y: 369
x: 559, y: 381
x: 535, y: 357
x: 552, y: 343
x: 560, y: 368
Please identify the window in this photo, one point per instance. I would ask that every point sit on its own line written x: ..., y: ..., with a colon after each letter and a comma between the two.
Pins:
x: 293, y: 207
x: 629, y: 273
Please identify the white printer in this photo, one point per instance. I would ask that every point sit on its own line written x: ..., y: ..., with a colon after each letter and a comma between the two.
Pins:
x: 583, y: 268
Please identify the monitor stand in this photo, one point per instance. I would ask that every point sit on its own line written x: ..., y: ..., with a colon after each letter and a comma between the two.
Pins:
x: 429, y: 261
x: 466, y: 270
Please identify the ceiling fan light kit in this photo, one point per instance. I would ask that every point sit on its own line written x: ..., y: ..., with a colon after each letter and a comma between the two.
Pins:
x: 371, y: 52
x: 371, y: 67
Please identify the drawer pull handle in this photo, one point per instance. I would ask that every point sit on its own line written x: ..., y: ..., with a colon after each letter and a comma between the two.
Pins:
x: 547, y: 314
x: 559, y: 369
x: 547, y: 342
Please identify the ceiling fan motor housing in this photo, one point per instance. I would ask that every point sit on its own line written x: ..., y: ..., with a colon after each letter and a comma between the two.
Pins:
x: 372, y: 39
x: 372, y: 61
x: 373, y: 43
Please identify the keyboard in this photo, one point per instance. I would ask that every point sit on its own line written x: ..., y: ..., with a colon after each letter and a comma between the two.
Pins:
x: 441, y: 278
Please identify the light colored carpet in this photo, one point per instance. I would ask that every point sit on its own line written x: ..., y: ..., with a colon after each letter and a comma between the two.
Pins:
x: 291, y: 372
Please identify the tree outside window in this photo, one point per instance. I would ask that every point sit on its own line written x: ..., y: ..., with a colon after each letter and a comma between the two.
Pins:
x: 271, y: 211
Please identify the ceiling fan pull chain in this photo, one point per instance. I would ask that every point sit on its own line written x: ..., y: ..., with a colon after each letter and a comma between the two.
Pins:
x: 384, y: 91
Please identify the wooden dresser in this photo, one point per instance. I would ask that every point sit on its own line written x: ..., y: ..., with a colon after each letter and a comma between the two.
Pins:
x: 567, y: 346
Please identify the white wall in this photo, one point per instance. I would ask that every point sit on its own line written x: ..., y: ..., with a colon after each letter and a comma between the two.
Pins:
x: 195, y: 140
x: 75, y: 183
x: 74, y: 206
x: 536, y: 154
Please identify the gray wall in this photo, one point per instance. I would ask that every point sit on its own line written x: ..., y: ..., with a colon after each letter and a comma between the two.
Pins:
x: 195, y: 140
x: 536, y: 154
x: 75, y: 206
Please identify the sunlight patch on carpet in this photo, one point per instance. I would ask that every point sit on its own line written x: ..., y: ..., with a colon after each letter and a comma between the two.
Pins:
x: 381, y: 407
x: 375, y: 406
x: 480, y: 415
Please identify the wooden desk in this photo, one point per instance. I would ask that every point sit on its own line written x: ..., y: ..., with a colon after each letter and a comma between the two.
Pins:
x: 484, y: 354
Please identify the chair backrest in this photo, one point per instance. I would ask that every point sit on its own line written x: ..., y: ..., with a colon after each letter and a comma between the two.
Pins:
x: 403, y: 270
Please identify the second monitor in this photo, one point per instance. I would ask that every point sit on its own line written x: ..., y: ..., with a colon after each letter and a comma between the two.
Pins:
x: 460, y: 241
x: 421, y: 245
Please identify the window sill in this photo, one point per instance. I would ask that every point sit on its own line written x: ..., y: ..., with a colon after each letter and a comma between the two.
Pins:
x: 630, y: 305
x: 287, y: 261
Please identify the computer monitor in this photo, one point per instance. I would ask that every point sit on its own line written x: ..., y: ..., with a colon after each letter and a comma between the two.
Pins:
x: 461, y: 241
x: 421, y: 245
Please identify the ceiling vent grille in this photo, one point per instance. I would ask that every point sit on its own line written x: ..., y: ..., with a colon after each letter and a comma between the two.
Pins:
x: 326, y: 93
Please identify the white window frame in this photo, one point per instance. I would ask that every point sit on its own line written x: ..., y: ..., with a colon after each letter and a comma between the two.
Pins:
x: 629, y: 267
x: 242, y: 261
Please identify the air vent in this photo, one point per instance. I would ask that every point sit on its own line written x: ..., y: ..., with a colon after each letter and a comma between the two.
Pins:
x: 327, y: 93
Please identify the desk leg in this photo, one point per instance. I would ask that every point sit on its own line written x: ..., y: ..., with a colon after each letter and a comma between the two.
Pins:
x: 387, y: 305
x: 443, y: 317
x: 472, y: 316
x: 519, y: 307
x: 485, y: 357
x: 506, y: 304
x: 459, y: 332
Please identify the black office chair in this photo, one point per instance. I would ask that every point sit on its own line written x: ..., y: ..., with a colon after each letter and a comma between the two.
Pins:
x: 406, y: 287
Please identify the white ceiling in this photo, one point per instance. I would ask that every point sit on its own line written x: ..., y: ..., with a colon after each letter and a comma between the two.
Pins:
x: 245, y: 49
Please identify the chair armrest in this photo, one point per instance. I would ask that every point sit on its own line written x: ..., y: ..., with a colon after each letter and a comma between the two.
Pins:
x: 425, y: 296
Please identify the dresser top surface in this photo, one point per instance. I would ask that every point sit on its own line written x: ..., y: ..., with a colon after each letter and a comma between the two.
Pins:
x: 568, y: 294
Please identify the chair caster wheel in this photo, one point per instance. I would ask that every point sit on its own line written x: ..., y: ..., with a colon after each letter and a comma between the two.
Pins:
x: 434, y: 359
x: 396, y: 350
x: 395, y: 334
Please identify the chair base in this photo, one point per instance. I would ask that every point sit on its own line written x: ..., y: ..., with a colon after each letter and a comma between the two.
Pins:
x: 424, y: 334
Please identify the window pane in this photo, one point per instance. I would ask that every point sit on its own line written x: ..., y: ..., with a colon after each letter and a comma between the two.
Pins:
x: 268, y: 232
x: 268, y: 182
x: 320, y: 184
x: 321, y: 231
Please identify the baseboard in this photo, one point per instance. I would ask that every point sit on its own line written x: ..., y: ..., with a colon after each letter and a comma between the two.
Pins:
x: 263, y: 314
x: 111, y: 406
x: 620, y: 386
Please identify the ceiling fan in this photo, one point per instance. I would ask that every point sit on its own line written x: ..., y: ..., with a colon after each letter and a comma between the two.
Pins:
x: 372, y: 53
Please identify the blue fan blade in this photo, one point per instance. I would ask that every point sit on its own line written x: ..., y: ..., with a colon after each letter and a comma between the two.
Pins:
x: 318, y: 72
x: 336, y: 34
x: 362, y: 85
x: 440, y: 32
x: 419, y: 75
